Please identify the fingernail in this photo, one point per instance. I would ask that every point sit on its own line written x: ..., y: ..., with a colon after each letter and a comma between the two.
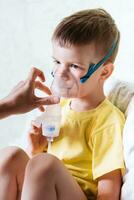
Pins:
x: 56, y: 99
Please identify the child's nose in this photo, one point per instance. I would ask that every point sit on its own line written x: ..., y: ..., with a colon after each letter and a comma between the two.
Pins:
x: 63, y: 72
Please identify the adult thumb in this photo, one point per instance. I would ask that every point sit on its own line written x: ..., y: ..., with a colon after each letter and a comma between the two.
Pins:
x: 48, y: 100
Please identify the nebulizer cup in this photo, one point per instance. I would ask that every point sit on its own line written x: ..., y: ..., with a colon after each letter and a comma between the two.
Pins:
x: 63, y: 85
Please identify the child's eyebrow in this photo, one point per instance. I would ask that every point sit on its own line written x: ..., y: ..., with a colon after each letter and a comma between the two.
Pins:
x: 54, y: 58
x: 77, y: 63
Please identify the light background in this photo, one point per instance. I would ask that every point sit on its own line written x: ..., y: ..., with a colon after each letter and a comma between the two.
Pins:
x: 26, y: 27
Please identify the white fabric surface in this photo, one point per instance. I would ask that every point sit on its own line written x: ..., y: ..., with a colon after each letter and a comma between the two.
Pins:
x: 121, y: 94
x: 128, y: 142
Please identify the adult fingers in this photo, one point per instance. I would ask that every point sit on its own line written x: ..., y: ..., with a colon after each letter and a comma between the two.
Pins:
x: 34, y: 73
x: 42, y: 87
x: 47, y: 100
x: 18, y: 86
x: 41, y: 108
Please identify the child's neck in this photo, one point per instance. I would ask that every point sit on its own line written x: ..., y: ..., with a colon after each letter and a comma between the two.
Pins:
x: 86, y: 103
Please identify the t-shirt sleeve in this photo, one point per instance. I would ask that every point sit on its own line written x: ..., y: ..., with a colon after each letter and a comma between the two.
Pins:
x: 107, y: 150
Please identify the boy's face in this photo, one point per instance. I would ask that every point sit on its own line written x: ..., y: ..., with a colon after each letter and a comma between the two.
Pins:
x: 70, y: 64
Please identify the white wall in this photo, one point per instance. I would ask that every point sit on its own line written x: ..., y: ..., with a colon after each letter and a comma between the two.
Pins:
x: 25, y: 31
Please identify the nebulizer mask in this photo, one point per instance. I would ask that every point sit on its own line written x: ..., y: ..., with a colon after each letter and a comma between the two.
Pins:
x: 66, y: 85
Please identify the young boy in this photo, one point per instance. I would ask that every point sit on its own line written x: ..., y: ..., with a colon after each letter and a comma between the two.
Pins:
x: 86, y: 159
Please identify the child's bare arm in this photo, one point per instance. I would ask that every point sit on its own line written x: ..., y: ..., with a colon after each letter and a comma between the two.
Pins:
x: 37, y: 143
x: 109, y: 186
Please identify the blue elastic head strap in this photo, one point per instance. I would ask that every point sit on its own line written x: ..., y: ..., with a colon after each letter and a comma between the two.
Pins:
x: 93, y: 67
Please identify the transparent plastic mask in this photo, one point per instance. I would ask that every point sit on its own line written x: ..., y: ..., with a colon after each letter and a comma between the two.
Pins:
x: 64, y: 84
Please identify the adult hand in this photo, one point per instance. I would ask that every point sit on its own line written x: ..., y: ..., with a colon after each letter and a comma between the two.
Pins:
x: 22, y: 98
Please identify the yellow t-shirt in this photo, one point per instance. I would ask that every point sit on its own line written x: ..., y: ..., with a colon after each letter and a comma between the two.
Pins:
x: 90, y: 143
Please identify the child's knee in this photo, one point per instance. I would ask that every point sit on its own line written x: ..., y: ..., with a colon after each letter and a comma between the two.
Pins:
x: 43, y: 165
x: 11, y: 158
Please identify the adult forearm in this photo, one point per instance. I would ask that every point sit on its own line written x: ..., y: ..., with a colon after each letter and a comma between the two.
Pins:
x: 5, y: 109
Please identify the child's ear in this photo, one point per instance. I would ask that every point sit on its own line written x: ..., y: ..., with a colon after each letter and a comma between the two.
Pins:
x: 107, y: 70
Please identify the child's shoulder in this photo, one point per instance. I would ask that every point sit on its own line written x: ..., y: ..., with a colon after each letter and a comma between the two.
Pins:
x: 112, y: 108
x: 109, y: 112
x: 108, y: 118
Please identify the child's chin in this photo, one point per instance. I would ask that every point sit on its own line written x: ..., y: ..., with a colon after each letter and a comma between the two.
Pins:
x: 68, y: 95
x: 65, y: 93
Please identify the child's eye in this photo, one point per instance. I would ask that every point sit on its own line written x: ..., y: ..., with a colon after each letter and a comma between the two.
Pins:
x: 75, y: 66
x: 56, y: 62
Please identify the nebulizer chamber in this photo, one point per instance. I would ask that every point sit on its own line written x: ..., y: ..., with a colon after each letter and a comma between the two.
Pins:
x: 49, y: 121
